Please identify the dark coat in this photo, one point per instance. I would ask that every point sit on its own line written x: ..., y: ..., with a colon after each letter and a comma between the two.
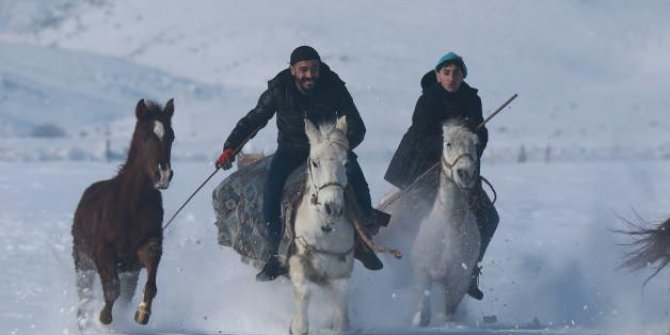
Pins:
x: 421, y: 146
x: 329, y: 100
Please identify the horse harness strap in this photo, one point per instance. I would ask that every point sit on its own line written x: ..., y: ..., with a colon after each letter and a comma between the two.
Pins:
x: 312, y: 249
x: 450, y: 167
x: 495, y: 195
x: 314, y: 199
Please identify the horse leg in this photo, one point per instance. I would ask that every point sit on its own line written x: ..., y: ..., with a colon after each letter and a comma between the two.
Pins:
x: 85, y: 277
x: 423, y: 299
x: 301, y: 293
x: 339, y: 290
x: 128, y: 286
x: 106, y: 264
x: 451, y: 301
x: 149, y: 255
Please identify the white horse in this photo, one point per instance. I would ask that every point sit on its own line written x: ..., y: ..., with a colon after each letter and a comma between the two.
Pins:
x: 446, y: 248
x: 324, y: 237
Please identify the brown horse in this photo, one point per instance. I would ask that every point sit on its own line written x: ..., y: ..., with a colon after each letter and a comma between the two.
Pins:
x: 117, y: 224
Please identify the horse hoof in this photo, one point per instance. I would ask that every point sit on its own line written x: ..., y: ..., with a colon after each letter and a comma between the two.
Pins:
x: 142, y: 317
x: 297, y: 332
x: 420, y: 320
x: 83, y: 322
x: 291, y: 332
x: 105, y: 317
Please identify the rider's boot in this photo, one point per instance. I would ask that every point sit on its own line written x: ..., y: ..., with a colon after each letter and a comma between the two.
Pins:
x: 474, y: 290
x: 367, y: 256
x: 273, y: 267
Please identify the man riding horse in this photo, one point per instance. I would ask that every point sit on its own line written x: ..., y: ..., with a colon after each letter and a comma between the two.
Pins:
x: 308, y: 89
x: 445, y: 97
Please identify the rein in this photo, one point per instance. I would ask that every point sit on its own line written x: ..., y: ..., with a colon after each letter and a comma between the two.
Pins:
x: 314, y: 200
x: 451, y: 176
x: 450, y: 166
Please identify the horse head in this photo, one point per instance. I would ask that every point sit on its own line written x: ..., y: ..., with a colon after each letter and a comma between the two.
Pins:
x: 152, y: 141
x: 459, y: 154
x: 326, y: 166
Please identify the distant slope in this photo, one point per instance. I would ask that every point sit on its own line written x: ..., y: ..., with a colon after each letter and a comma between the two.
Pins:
x: 592, y: 77
x: 74, y: 90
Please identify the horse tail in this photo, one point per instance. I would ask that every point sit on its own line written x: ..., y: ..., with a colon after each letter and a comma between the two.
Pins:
x: 652, y: 246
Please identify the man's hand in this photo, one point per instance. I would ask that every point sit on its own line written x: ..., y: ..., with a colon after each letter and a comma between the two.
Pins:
x: 226, y: 159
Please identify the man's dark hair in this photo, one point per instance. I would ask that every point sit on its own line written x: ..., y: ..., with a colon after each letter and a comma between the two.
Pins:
x: 304, y: 52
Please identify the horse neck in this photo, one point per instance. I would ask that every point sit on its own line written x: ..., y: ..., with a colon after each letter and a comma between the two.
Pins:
x: 132, y: 178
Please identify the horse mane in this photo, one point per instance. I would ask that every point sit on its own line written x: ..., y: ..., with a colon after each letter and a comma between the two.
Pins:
x: 458, y: 123
x: 329, y: 131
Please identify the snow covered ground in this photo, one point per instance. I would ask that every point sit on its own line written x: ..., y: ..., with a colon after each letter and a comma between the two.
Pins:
x: 592, y: 77
x: 553, y: 259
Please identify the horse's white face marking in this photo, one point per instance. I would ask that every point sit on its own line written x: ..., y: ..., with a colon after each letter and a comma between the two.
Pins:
x: 163, y: 181
x: 159, y: 129
x: 165, y: 174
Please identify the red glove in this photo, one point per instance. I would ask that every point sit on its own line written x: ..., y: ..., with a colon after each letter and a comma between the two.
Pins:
x: 226, y: 159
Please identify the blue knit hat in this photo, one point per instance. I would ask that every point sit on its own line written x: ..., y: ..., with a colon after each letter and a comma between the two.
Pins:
x: 452, y: 57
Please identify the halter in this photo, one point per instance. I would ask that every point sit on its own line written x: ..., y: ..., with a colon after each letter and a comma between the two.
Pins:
x: 314, y: 199
x: 450, y: 166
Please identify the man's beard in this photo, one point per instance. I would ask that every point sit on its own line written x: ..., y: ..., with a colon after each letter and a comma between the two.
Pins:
x: 306, y: 88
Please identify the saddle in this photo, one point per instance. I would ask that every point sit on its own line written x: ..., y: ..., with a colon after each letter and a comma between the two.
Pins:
x: 238, y: 201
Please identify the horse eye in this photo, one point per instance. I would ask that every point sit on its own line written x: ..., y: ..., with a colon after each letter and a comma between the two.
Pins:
x: 448, y: 145
x: 314, y: 164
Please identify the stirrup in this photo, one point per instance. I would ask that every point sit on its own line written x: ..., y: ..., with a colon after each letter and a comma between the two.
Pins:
x: 474, y: 290
x: 271, y: 270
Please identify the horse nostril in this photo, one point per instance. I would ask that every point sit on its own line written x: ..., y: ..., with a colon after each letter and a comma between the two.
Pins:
x: 171, y: 175
x: 329, y: 210
x: 462, y: 173
x: 157, y: 175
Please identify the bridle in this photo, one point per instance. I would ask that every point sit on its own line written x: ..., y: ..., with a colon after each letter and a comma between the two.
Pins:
x: 450, y: 167
x: 314, y: 198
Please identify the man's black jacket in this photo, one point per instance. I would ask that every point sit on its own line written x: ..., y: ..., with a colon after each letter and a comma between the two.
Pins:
x: 329, y: 100
x: 421, y: 146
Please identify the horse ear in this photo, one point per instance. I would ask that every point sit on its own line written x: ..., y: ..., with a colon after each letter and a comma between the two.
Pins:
x: 311, y: 131
x: 342, y: 123
x: 169, y: 108
x: 141, y: 111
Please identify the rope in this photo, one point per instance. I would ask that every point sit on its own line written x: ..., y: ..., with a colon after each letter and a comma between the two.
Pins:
x: 189, y: 198
x: 495, y: 195
x: 351, y: 214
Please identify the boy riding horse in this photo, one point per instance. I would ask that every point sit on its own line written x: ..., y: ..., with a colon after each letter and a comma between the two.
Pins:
x: 445, y: 97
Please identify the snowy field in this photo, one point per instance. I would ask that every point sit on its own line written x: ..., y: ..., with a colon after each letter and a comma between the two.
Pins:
x: 591, y: 121
x: 552, y: 264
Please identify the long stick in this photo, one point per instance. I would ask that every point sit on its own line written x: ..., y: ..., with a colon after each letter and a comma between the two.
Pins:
x: 191, y: 197
x: 497, y: 111
x: 237, y: 150
x: 351, y: 214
